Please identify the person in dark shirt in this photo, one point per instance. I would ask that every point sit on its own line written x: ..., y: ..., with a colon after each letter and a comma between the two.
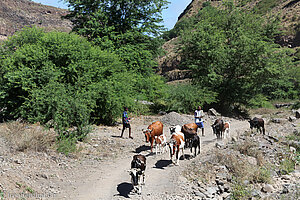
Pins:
x: 125, y: 121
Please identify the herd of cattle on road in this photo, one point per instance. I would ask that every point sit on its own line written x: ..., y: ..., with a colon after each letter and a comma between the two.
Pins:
x: 181, y: 137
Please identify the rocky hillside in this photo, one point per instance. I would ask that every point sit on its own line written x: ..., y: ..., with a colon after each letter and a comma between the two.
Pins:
x: 288, y: 11
x: 14, y: 15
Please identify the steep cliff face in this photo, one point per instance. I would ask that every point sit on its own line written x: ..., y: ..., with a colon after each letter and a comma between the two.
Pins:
x: 287, y: 10
x: 16, y: 14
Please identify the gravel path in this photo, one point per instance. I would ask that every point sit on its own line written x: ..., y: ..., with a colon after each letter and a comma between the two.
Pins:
x: 111, y: 179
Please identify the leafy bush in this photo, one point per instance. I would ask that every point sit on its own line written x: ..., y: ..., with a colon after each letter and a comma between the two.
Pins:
x: 186, y: 97
x: 262, y: 7
x: 259, y: 101
x: 232, y: 53
x: 62, y: 77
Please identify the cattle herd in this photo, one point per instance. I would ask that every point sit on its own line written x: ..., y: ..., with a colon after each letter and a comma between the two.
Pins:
x: 181, y: 137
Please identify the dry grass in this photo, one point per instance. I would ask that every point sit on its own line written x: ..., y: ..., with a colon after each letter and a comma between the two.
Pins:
x: 249, y: 148
x: 240, y: 168
x: 23, y: 136
x: 204, y: 173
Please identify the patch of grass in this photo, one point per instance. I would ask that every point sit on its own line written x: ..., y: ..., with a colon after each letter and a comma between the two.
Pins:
x: 264, y: 175
x: 1, y: 195
x: 239, y: 190
x: 66, y: 145
x: 23, y: 136
x: 265, y: 6
x: 247, y: 147
x: 287, y: 166
x: 29, y: 189
x: 203, y: 172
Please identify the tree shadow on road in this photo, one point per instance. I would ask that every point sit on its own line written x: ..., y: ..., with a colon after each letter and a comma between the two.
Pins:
x: 124, y: 189
x: 161, y: 164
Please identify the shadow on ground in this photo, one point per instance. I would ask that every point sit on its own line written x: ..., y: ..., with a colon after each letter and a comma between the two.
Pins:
x: 161, y: 164
x: 142, y: 148
x: 124, y: 189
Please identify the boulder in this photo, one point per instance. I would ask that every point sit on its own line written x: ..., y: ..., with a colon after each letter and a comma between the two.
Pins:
x: 277, y: 120
x: 213, y: 112
x: 267, y: 188
x: 252, y: 160
x: 297, y: 112
x: 292, y: 118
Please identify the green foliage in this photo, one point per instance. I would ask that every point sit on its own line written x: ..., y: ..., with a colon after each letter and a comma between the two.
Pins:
x: 287, y: 166
x: 264, y: 175
x: 66, y: 145
x: 239, y: 190
x: 186, y: 97
x: 105, y: 18
x: 182, y: 25
x: 262, y: 7
x: 232, y: 53
x: 259, y: 101
x: 62, y: 77
x: 125, y: 27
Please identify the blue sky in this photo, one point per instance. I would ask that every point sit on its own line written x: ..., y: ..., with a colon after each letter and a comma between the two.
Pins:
x: 170, y: 15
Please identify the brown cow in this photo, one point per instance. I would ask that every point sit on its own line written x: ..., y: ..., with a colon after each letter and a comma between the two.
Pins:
x: 154, y: 129
x: 189, y: 131
x: 226, y: 129
x: 176, y: 144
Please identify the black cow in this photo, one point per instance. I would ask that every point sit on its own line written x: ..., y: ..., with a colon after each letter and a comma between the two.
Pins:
x: 257, y: 123
x: 137, y: 171
x: 196, y: 142
x: 218, y: 127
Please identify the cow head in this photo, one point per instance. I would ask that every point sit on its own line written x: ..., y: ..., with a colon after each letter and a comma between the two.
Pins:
x: 135, y: 173
x: 172, y: 129
x: 147, y: 133
x: 252, y: 123
x: 175, y: 129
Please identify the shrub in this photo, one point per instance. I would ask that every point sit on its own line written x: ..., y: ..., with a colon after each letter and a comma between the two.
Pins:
x: 62, y: 77
x: 186, y: 97
x: 239, y: 190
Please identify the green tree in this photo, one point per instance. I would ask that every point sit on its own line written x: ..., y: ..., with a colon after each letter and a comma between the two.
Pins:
x: 110, y: 18
x: 126, y: 27
x: 62, y: 78
x: 232, y: 52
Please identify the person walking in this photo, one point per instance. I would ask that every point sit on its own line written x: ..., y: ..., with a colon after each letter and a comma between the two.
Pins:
x: 125, y: 121
x: 199, y: 119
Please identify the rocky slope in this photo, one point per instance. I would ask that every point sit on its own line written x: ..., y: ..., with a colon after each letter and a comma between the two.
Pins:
x: 288, y: 11
x: 14, y: 15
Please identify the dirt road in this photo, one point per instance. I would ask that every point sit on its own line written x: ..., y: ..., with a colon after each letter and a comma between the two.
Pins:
x: 112, y: 181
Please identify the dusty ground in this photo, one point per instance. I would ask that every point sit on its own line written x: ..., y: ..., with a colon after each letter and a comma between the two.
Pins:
x: 99, y: 170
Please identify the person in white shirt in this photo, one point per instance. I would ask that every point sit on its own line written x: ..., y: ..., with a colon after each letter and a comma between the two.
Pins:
x: 199, y: 119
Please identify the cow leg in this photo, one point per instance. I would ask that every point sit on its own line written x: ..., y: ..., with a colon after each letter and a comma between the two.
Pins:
x: 151, y: 145
x: 199, y: 146
x: 143, y: 178
x: 139, y: 185
x: 176, y: 158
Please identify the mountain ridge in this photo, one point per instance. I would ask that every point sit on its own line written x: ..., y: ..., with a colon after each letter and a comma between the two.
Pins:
x: 15, y: 15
